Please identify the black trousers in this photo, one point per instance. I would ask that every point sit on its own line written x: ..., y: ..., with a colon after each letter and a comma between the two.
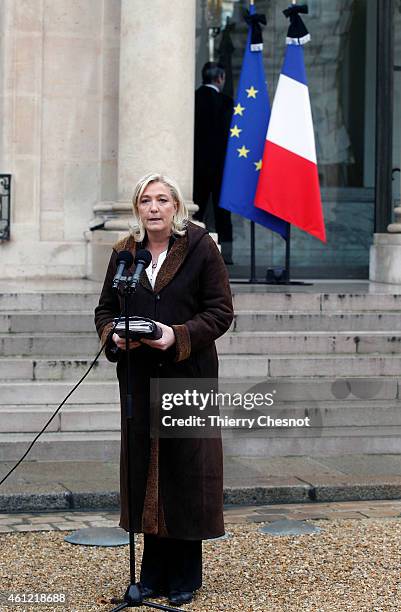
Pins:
x: 203, y: 188
x: 171, y: 565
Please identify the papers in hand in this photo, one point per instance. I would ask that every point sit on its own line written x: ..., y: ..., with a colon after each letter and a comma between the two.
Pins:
x: 139, y: 328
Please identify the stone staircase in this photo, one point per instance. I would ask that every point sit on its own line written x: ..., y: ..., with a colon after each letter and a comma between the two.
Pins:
x: 333, y: 357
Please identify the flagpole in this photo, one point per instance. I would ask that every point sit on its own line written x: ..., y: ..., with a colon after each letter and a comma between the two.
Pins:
x: 253, y: 278
x: 288, y: 247
x: 288, y: 254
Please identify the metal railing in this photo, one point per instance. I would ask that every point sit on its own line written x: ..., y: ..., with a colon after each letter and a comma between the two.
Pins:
x: 5, y: 206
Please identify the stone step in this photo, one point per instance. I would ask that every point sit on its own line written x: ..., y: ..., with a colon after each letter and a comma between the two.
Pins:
x: 285, y: 389
x: 42, y: 393
x: 311, y: 342
x: 240, y: 365
x: 49, y: 345
x: 244, y: 321
x: 48, y: 301
x: 378, y: 443
x: 308, y: 433
x: 24, y: 419
x: 105, y: 446
x: 316, y: 389
x: 283, y: 301
x: 62, y: 322
x: 327, y: 414
x: 24, y: 369
x: 296, y: 321
x: 338, y: 365
x: 76, y: 345
x: 74, y: 322
x: 256, y: 298
x: 62, y: 446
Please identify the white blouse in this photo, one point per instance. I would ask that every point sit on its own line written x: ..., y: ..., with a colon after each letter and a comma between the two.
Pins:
x: 152, y: 271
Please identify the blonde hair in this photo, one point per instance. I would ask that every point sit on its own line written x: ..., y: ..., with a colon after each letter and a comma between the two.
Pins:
x: 181, y: 216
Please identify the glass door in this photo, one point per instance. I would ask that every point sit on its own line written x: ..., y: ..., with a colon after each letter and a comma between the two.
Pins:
x: 341, y: 70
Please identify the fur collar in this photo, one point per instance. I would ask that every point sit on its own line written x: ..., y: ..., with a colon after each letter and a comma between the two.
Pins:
x: 170, y: 266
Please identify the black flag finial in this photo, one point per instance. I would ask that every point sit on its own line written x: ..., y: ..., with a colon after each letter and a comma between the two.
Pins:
x: 297, y: 33
x: 254, y: 20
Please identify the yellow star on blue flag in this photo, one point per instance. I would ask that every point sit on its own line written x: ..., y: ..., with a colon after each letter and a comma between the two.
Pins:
x: 239, y: 110
x: 251, y: 91
x: 243, y: 151
x: 235, y: 131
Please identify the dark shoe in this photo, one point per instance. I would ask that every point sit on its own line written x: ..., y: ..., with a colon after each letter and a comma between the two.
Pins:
x: 177, y: 598
x: 147, y: 592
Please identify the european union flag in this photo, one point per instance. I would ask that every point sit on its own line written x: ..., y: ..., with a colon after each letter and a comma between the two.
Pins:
x: 247, y: 139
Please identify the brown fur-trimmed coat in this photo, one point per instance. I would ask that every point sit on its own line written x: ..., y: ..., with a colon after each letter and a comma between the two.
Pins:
x: 178, y: 483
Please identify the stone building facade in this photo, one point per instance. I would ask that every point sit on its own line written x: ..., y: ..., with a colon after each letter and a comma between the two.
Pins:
x: 94, y: 93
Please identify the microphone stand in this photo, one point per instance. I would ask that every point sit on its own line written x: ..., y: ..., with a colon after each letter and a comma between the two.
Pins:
x: 133, y: 596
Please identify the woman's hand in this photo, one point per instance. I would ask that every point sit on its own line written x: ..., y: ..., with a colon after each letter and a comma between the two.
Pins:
x: 120, y: 342
x: 167, y: 339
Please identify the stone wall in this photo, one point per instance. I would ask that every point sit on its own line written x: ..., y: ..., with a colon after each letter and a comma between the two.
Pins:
x: 59, y: 115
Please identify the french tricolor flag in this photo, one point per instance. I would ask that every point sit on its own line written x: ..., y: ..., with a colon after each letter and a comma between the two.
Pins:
x: 288, y: 185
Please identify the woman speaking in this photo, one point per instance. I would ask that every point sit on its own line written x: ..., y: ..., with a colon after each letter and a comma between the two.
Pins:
x: 177, y: 482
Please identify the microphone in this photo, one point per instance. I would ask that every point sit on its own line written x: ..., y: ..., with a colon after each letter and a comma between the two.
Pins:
x: 142, y: 260
x: 124, y: 261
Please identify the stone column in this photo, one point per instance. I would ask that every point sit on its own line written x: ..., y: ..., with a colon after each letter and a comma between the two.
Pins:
x: 156, y: 101
x: 385, y: 252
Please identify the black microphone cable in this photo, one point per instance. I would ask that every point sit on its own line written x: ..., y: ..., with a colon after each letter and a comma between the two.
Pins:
x: 61, y: 405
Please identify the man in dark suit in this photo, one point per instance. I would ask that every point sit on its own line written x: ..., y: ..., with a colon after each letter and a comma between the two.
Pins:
x: 213, y: 111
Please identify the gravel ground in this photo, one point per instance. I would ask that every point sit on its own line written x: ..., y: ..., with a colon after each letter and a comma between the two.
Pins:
x: 351, y: 565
